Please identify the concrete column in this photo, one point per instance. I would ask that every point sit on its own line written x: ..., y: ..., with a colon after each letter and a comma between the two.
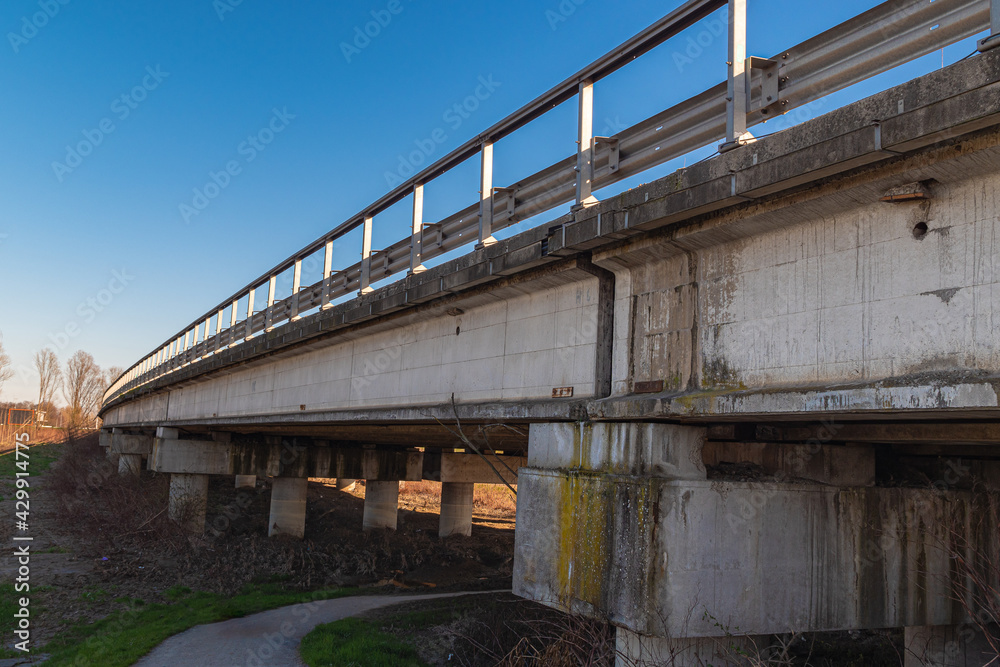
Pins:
x: 381, y: 505
x: 246, y: 481
x: 346, y: 484
x: 130, y: 464
x: 288, y: 507
x: 114, y: 458
x: 188, y: 500
x: 456, y: 508
x: 946, y: 646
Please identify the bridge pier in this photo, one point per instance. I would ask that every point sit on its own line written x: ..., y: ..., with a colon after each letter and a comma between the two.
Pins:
x: 456, y: 508
x: 381, y: 505
x: 288, y: 507
x: 619, y: 521
x: 130, y: 450
x: 344, y: 484
x: 188, y: 500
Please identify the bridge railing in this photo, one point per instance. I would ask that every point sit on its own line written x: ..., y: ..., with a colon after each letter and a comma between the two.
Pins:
x: 757, y: 89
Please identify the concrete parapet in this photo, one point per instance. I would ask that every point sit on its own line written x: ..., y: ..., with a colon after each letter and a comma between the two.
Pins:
x: 381, y: 505
x: 189, y: 500
x: 456, y: 508
x: 288, y: 506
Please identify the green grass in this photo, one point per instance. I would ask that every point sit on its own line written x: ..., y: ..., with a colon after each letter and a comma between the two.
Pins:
x: 8, y: 607
x: 40, y: 457
x: 133, y: 631
x: 355, y: 642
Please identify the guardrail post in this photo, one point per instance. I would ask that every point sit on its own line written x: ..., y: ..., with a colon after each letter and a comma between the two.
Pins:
x: 417, y: 236
x: 993, y: 40
x: 233, y: 317
x: 366, y: 256
x: 486, y: 197
x: 736, y: 91
x: 272, y: 286
x: 248, y: 329
x: 218, y: 328
x: 327, y: 272
x: 585, y: 148
x: 296, y: 285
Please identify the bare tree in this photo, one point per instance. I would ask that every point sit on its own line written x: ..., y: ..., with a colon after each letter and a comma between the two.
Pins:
x: 83, y: 386
x: 111, y: 375
x: 6, y: 372
x: 49, y: 375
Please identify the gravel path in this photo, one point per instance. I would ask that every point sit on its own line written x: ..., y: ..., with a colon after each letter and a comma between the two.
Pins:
x: 270, y: 638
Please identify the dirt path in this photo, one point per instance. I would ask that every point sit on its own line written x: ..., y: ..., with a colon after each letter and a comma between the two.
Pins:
x: 269, y: 638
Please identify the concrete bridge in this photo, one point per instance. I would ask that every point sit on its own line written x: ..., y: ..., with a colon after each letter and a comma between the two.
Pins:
x: 757, y: 396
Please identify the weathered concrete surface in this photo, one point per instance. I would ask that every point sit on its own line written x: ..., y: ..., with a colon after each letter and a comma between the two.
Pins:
x: 381, y: 505
x: 835, y: 465
x: 456, y: 508
x: 771, y: 280
x: 246, y: 481
x: 288, y: 507
x: 671, y: 557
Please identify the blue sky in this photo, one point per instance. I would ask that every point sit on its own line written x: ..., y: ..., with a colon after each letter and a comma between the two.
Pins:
x: 114, y: 113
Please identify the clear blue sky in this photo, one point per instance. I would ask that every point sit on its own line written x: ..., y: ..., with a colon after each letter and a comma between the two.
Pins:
x: 200, y: 77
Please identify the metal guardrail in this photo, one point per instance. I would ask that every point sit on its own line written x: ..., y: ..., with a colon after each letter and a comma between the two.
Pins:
x: 757, y: 89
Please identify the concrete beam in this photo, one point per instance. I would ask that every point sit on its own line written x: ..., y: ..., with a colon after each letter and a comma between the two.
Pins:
x: 836, y: 465
x: 381, y: 505
x: 659, y: 450
x: 202, y: 457
x: 188, y: 501
x: 246, y: 481
x: 124, y: 443
x: 470, y: 468
x: 288, y: 507
x: 456, y: 508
